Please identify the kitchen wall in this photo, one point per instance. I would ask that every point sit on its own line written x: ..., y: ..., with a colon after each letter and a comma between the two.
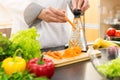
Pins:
x: 5, y: 21
x: 92, y: 21
x: 108, y: 9
x: 99, y: 17
x: 5, y: 18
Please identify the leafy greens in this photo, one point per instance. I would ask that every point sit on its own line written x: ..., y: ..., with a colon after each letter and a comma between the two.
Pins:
x: 5, y: 45
x: 110, y: 69
x: 25, y: 41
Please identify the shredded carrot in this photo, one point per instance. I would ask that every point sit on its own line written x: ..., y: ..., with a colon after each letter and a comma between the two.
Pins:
x: 77, y: 50
x: 72, y: 52
x: 54, y: 54
x: 73, y: 26
x: 68, y: 53
x: 58, y: 54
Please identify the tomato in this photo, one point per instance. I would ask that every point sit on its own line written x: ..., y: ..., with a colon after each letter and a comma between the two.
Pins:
x: 117, y: 33
x: 111, y: 31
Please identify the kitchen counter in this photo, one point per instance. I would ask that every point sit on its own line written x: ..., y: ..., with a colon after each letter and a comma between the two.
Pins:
x: 77, y: 71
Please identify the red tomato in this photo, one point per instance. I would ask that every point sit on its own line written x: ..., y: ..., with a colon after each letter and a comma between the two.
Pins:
x: 111, y: 31
x: 117, y: 34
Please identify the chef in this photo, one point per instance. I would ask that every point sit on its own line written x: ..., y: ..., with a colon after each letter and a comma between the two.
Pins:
x: 48, y: 16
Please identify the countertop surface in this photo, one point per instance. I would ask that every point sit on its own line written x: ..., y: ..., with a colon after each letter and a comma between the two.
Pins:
x: 77, y: 71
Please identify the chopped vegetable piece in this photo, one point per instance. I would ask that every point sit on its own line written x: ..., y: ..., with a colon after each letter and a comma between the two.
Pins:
x: 72, y: 52
x: 54, y: 54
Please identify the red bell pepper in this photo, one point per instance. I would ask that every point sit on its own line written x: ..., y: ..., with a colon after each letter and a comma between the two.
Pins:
x: 43, y: 67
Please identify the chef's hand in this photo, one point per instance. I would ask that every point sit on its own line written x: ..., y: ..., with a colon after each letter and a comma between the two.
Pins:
x: 52, y: 15
x: 83, y: 5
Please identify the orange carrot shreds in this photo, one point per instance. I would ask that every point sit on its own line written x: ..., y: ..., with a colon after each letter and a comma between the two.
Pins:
x: 54, y: 55
x: 68, y: 53
x: 72, y: 52
x: 77, y: 50
x: 58, y: 54
x: 73, y: 26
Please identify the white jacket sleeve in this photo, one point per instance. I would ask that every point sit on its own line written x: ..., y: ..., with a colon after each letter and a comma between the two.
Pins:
x: 31, y: 13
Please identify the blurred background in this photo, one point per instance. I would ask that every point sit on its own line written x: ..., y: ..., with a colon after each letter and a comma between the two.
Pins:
x: 101, y: 15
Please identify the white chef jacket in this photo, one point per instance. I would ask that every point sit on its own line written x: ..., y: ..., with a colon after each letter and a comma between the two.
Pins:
x: 15, y: 10
x: 51, y: 34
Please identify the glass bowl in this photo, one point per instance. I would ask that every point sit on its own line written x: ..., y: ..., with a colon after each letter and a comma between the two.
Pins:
x: 107, y: 64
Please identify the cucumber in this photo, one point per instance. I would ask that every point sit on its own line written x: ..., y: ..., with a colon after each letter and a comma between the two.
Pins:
x: 116, y: 42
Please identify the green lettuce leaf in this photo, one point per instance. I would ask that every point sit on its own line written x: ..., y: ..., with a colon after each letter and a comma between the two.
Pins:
x: 26, y: 41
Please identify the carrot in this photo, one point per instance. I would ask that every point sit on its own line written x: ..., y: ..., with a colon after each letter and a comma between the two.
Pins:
x: 73, y: 26
x: 72, y: 52
x: 77, y: 50
x: 52, y: 55
x: 68, y: 53
x: 57, y: 54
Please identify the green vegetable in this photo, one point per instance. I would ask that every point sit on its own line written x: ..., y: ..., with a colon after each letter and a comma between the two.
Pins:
x: 110, y: 69
x: 19, y: 76
x: 27, y: 42
x: 116, y: 42
x: 4, y: 47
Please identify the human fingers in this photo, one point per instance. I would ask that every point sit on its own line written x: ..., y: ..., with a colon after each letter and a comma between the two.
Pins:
x: 58, y: 15
x: 54, y: 19
x: 74, y: 4
x: 80, y: 4
x: 58, y: 11
x: 48, y: 16
x: 85, y: 5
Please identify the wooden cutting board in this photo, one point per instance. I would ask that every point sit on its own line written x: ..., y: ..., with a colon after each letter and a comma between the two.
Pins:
x: 66, y: 61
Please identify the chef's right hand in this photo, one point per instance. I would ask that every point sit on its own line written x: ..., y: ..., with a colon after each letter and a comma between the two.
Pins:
x: 52, y: 15
x: 83, y: 5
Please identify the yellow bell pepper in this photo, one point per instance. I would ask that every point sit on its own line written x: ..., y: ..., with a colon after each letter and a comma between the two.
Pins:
x: 13, y: 65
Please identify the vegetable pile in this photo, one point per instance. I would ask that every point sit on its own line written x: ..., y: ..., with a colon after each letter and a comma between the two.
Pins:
x: 19, y: 76
x: 110, y: 69
x: 24, y: 41
x: 68, y: 53
x: 18, y: 51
